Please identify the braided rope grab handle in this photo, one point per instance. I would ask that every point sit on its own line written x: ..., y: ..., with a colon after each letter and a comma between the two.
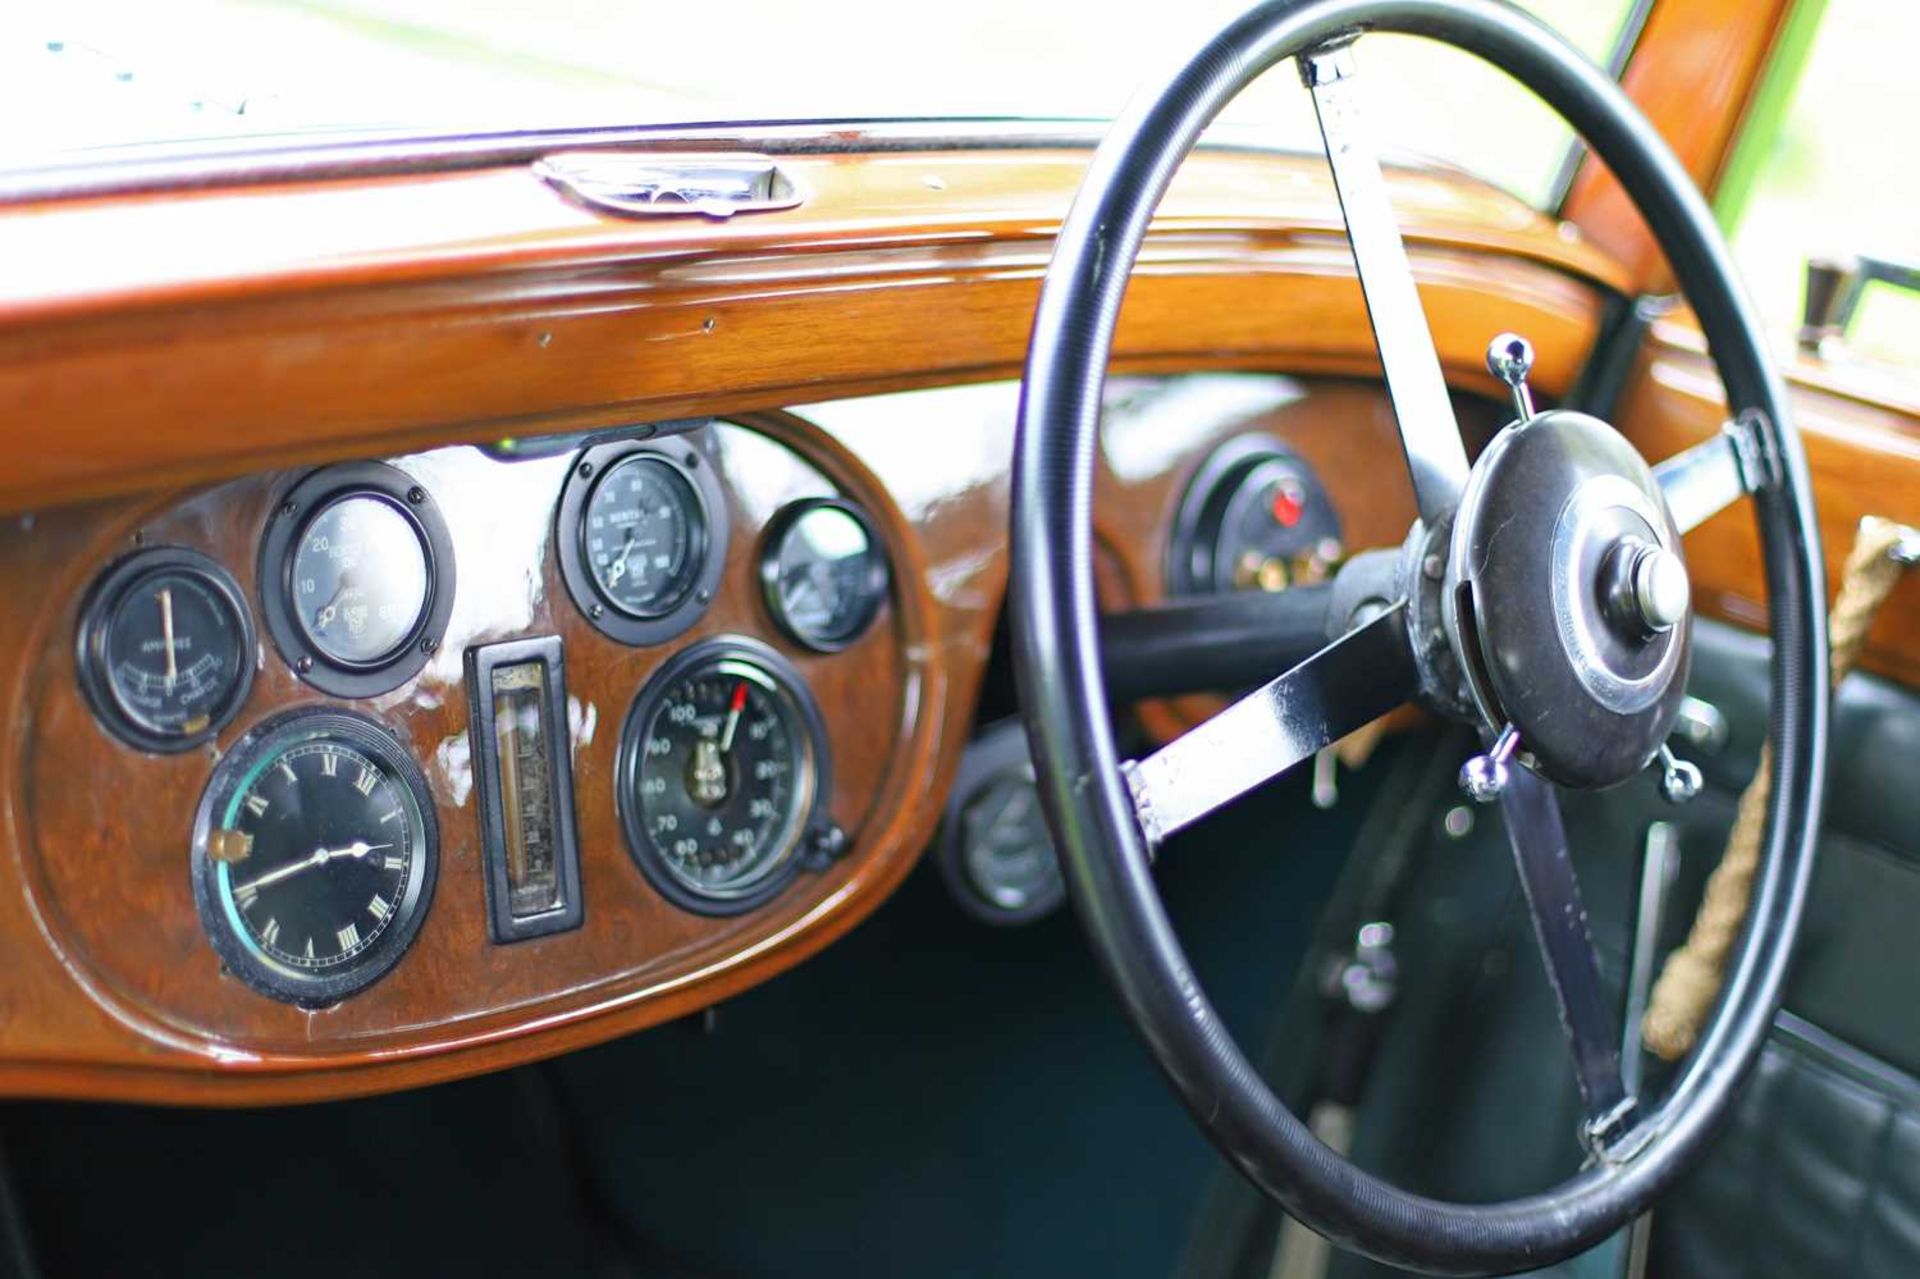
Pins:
x: 1691, y: 979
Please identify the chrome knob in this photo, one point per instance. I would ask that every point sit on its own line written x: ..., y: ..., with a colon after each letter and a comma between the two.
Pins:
x: 1644, y: 588
x: 1510, y: 358
x: 1680, y: 779
x: 1660, y: 588
x: 1485, y: 777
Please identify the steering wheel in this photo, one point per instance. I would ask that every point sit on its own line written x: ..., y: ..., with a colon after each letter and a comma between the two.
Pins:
x: 1541, y: 594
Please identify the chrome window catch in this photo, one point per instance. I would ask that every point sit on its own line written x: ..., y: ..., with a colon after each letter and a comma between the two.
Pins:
x: 667, y: 184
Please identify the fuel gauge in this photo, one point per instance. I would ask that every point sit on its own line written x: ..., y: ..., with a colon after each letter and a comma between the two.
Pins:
x: 165, y: 649
x: 824, y: 572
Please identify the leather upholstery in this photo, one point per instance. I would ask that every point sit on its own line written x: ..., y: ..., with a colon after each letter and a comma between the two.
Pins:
x: 1819, y: 1173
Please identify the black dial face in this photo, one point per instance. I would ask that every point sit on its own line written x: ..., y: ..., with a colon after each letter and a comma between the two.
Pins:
x: 721, y: 777
x: 1253, y: 518
x: 1006, y: 852
x: 1275, y: 528
x: 174, y: 648
x: 360, y: 580
x: 166, y: 649
x: 316, y: 856
x: 643, y: 536
x: 824, y: 574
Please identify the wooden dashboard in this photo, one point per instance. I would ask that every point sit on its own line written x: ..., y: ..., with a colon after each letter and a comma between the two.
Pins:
x: 173, y: 360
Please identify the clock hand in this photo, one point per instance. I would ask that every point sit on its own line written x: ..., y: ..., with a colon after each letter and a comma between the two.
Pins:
x: 357, y: 849
x: 319, y: 857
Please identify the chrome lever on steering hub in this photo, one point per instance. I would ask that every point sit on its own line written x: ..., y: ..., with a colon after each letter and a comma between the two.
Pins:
x: 1510, y: 358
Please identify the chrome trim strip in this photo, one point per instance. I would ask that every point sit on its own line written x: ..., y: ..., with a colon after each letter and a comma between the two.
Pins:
x: 253, y: 162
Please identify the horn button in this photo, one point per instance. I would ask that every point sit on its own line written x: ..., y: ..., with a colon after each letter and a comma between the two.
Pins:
x: 1567, y: 598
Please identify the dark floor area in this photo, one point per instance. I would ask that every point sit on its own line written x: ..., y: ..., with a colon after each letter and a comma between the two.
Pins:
x: 930, y: 1096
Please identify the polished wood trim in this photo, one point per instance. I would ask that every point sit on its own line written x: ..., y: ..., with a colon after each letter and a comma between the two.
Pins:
x: 1694, y: 71
x: 1342, y: 429
x: 296, y: 325
x: 113, y: 992
x: 168, y: 340
x: 1865, y: 460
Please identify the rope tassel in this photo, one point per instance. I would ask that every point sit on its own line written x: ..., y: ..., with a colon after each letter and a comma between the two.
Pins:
x: 1691, y: 979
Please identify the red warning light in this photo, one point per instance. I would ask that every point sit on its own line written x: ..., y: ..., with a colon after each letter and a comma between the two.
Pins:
x: 1289, y: 504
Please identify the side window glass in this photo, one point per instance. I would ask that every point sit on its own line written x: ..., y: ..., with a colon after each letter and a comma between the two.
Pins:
x: 1827, y: 168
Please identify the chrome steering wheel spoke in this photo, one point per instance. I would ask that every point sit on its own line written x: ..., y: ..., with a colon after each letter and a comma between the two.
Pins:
x: 1531, y: 808
x: 1345, y: 686
x: 1706, y: 479
x: 1436, y: 455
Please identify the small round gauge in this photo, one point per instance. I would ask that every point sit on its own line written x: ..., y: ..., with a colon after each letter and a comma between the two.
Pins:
x: 644, y: 536
x: 314, y: 853
x: 641, y: 534
x: 995, y: 850
x: 1005, y: 848
x: 723, y: 768
x: 165, y: 649
x: 824, y: 572
x: 360, y: 580
x: 356, y: 578
x: 1254, y: 518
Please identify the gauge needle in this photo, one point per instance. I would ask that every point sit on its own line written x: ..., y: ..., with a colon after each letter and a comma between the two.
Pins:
x: 166, y: 630
x: 324, y: 618
x: 734, y: 708
x: 1018, y: 804
x: 618, y: 569
x: 319, y: 857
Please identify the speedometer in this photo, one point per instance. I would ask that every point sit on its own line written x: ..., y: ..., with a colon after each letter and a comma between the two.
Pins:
x: 723, y: 770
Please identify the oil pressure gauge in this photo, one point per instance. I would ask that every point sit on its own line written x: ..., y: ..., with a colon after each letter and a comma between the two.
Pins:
x: 165, y: 649
x: 357, y: 578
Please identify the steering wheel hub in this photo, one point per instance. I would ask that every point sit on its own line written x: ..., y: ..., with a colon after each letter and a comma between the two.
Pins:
x: 1566, y: 596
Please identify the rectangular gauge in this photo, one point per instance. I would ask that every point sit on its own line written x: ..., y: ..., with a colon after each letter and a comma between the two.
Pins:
x: 523, y: 777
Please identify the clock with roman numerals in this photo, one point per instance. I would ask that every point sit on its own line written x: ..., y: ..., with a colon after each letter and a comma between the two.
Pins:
x: 314, y: 852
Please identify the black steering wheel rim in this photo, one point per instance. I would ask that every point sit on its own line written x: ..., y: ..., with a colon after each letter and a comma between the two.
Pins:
x: 1056, y: 648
